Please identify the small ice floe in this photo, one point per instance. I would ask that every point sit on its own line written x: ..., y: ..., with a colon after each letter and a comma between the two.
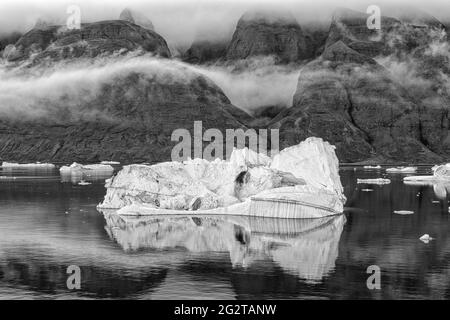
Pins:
x: 84, y: 183
x: 76, y: 167
x: 440, y: 174
x: 378, y: 167
x: 36, y: 165
x: 7, y: 178
x: 367, y: 190
x: 402, y: 170
x: 110, y: 162
x: 379, y: 181
x: 403, y: 212
x: 426, y: 238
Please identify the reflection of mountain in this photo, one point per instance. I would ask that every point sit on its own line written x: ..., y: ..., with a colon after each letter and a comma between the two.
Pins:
x: 306, y: 248
x: 22, y: 269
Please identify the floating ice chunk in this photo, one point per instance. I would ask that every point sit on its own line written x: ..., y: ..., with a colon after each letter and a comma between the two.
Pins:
x: 402, y: 170
x: 36, y: 165
x: 379, y: 181
x: 419, y: 179
x: 76, y: 167
x: 110, y: 162
x: 426, y: 238
x: 403, y: 212
x: 440, y: 173
x: 378, y: 167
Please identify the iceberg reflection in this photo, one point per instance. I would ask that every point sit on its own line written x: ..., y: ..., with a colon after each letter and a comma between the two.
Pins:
x: 440, y: 188
x: 307, y: 248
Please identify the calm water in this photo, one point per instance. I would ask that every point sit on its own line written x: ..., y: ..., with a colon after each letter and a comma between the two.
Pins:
x: 48, y: 223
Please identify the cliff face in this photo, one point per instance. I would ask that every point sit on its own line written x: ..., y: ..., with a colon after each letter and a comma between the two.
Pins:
x: 261, y: 33
x: 130, y: 118
x: 205, y: 51
x: 122, y: 108
x: 375, y: 95
x: 395, y: 107
x: 93, y: 39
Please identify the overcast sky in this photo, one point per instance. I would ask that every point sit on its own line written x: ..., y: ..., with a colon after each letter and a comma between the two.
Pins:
x: 180, y: 20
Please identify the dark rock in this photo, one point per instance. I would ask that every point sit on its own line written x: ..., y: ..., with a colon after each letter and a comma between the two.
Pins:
x: 350, y: 27
x: 9, y: 39
x: 263, y: 33
x: 205, y: 51
x: 93, y: 39
x: 358, y: 107
x: 142, y: 110
x: 340, y: 53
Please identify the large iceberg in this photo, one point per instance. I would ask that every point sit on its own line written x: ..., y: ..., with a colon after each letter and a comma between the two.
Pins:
x: 300, y: 182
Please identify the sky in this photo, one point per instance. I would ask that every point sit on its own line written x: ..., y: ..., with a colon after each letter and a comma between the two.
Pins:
x: 180, y: 21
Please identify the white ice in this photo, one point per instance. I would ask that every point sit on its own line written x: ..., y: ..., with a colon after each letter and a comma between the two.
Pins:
x: 441, y: 173
x: 76, y: 167
x: 426, y: 238
x: 36, y: 165
x: 378, y: 167
x: 110, y: 162
x: 379, y: 181
x: 403, y: 212
x: 308, y: 170
x: 402, y: 170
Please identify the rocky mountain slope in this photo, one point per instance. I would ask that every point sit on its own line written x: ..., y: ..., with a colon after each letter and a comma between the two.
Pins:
x: 377, y: 95
x: 365, y: 106
x: 93, y: 39
x: 269, y: 33
x: 120, y: 108
x: 129, y: 118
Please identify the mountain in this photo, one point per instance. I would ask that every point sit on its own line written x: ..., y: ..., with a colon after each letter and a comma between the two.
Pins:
x: 129, y: 117
x: 123, y: 108
x: 203, y: 51
x: 93, y: 39
x: 367, y: 109
x: 269, y: 33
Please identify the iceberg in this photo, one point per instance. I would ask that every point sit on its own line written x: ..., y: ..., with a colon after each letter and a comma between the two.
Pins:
x: 299, y: 182
x: 37, y: 165
x: 76, y: 167
x: 378, y: 167
x: 403, y: 212
x: 441, y: 173
x: 379, y: 181
x: 76, y: 172
x: 426, y: 238
x: 402, y: 170
x: 110, y: 162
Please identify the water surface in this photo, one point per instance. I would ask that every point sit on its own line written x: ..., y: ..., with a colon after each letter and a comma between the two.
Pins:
x: 48, y: 223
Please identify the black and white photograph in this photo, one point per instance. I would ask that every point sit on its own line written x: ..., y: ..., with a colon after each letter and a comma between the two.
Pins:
x: 224, y: 150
